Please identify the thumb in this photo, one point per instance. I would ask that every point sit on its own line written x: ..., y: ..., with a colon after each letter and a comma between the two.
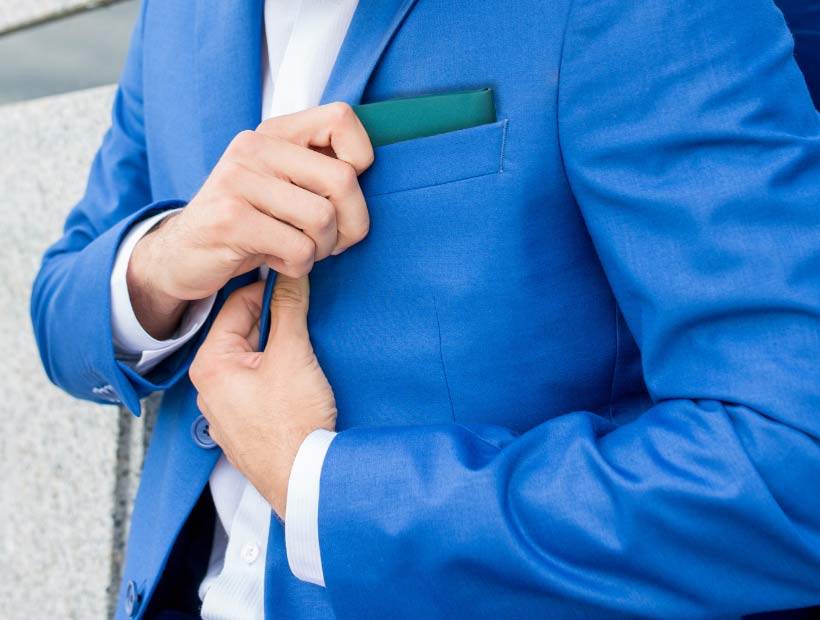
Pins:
x: 289, y: 307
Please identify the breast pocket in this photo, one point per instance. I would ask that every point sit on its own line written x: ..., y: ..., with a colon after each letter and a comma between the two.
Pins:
x: 436, y: 160
x: 373, y: 312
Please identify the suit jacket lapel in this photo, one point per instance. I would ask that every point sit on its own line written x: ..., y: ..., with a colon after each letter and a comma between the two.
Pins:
x: 229, y: 54
x: 228, y: 67
x: 374, y: 24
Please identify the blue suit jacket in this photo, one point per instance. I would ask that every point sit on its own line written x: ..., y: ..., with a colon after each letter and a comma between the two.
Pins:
x: 576, y: 359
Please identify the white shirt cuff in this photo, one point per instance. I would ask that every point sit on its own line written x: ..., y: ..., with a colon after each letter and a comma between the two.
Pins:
x: 132, y: 344
x: 302, y: 516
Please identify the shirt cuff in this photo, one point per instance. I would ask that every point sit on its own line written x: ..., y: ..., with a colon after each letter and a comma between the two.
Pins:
x: 302, y: 515
x: 132, y: 344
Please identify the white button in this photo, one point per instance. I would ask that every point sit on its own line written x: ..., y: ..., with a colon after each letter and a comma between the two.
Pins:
x: 249, y: 553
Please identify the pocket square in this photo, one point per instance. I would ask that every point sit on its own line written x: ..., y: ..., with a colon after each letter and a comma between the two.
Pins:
x: 405, y: 118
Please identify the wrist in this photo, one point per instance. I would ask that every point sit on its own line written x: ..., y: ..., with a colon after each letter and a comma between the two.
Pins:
x: 158, y: 310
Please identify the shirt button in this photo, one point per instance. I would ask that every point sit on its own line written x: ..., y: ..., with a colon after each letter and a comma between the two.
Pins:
x: 249, y: 553
x: 201, y: 435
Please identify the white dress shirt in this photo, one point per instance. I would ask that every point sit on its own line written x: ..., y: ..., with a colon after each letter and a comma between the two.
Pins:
x: 302, y: 40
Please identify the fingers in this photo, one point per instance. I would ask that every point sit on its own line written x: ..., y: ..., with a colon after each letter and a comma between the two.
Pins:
x: 230, y: 345
x: 304, y: 210
x: 332, y: 182
x: 289, y: 308
x: 290, y: 251
x: 279, y: 172
x: 333, y: 125
x: 240, y: 313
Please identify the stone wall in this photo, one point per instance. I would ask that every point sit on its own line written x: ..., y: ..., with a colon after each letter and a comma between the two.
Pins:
x: 69, y: 468
x: 15, y: 14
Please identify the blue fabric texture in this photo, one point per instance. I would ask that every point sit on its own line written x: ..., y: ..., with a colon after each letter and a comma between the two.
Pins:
x: 575, y: 360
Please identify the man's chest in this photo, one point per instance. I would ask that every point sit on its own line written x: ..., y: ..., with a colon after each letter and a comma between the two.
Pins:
x: 477, y: 294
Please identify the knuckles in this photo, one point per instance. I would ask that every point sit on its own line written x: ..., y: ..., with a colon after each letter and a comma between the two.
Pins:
x: 303, y: 250
x: 224, y: 214
x: 288, y: 296
x: 360, y: 231
x: 270, y: 126
x: 357, y: 230
x: 324, y: 215
x: 343, y: 178
x: 369, y: 157
x: 226, y: 172
x: 200, y: 372
x: 340, y: 113
x: 244, y: 144
x: 299, y: 256
x: 294, y: 271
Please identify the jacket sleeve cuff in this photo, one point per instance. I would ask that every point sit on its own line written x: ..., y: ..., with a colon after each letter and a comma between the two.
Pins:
x: 302, y: 517
x: 133, y: 346
x: 79, y: 293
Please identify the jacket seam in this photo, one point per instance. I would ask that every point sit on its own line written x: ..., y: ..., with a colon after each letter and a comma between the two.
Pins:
x: 441, y: 358
x: 503, y: 145
x: 561, y: 59
x: 616, y: 359
x: 448, y: 182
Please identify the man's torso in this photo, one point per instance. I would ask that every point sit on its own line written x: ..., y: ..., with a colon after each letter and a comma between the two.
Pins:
x: 477, y: 297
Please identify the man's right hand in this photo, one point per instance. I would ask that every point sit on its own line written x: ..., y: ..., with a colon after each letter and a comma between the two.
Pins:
x: 286, y: 194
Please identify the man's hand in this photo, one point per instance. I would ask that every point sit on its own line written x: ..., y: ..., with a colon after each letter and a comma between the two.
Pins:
x: 261, y: 406
x: 286, y: 194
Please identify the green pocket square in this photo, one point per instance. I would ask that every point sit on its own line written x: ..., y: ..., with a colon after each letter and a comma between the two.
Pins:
x: 395, y: 120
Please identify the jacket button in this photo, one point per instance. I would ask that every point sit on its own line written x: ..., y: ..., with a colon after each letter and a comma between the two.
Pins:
x: 106, y: 392
x: 133, y: 598
x: 200, y: 434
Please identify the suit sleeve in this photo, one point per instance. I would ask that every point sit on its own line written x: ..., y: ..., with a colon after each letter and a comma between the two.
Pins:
x: 70, y: 301
x: 691, y: 145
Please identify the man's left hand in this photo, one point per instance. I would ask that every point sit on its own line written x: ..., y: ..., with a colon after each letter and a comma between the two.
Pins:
x: 262, y: 405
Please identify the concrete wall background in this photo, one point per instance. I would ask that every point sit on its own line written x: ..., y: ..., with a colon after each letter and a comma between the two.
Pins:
x: 64, y: 55
x: 68, y: 469
x: 16, y: 14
